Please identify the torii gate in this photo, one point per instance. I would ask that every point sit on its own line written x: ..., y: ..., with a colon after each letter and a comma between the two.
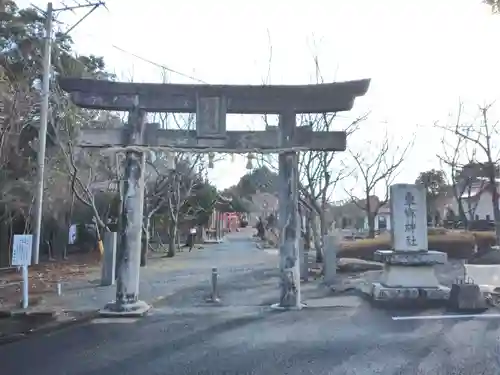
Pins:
x: 211, y: 103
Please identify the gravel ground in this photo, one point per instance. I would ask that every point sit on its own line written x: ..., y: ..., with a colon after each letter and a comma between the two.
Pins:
x: 341, y: 335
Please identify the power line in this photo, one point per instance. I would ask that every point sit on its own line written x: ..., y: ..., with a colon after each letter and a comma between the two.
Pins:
x: 94, y: 6
x: 159, y: 65
x: 149, y: 61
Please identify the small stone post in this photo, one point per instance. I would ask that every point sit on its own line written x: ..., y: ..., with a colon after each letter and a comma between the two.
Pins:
x: 109, y: 259
x: 330, y: 259
x: 214, y: 295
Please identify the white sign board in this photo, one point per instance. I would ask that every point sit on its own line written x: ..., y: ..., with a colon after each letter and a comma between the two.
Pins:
x: 408, y: 217
x: 21, y: 249
x: 72, y: 234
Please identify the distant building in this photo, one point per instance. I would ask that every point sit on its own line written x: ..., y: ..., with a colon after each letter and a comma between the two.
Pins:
x: 476, y: 201
x: 352, y: 215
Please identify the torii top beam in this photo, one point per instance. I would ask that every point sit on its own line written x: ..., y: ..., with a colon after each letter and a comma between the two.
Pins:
x: 242, y: 99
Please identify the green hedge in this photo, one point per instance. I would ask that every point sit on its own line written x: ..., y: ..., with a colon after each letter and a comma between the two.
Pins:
x: 458, y: 245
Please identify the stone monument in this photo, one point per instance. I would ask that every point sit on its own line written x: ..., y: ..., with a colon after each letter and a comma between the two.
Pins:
x: 409, y: 267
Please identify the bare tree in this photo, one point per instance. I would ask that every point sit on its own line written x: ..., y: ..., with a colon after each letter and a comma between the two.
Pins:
x: 320, y: 172
x: 481, y: 135
x: 173, y: 179
x: 157, y: 182
x: 183, y: 180
x: 375, y: 174
x: 455, y: 157
x: 87, y: 171
x: 450, y: 157
x: 494, y: 4
x: 170, y: 182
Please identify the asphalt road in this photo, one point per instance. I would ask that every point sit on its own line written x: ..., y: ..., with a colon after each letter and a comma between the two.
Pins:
x: 184, y: 335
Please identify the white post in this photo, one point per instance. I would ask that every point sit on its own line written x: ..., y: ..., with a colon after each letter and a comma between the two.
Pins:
x: 22, y: 247
x: 25, y: 286
x: 109, y: 259
x: 42, y: 134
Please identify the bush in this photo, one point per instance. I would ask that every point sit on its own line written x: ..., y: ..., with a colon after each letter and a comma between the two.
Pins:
x: 458, y: 245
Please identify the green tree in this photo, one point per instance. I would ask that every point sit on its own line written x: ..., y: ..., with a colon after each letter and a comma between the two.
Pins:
x: 201, y: 203
x: 494, y: 4
x: 261, y: 179
x: 435, y: 185
x: 239, y: 204
x: 21, y: 64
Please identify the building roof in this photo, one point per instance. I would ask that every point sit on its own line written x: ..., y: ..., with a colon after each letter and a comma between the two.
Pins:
x: 476, y: 189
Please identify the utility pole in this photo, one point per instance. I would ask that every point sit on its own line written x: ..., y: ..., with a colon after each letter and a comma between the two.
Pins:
x: 44, y: 115
x: 42, y: 133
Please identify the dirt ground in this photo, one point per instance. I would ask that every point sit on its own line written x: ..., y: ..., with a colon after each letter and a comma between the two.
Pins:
x: 43, y: 278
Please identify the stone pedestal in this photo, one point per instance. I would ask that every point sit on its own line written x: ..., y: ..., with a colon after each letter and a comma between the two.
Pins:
x: 132, y: 309
x: 409, y: 275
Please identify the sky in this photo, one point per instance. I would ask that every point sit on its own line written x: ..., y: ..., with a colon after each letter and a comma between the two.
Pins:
x: 423, y: 56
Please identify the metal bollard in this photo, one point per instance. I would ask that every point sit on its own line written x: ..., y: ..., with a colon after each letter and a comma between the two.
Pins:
x: 214, y: 296
x: 59, y: 289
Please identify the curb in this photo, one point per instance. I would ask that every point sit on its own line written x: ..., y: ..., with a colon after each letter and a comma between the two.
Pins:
x: 50, y: 327
x: 19, y: 313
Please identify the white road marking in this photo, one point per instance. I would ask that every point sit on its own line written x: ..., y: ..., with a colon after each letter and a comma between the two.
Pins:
x: 454, y: 316
x: 114, y: 320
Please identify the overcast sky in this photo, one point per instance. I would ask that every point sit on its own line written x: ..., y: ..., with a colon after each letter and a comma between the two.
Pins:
x: 422, y: 56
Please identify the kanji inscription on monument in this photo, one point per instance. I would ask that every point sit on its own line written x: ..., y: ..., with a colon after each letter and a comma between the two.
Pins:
x: 408, y: 217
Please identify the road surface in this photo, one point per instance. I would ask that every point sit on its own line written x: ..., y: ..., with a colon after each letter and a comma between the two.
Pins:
x: 184, y: 335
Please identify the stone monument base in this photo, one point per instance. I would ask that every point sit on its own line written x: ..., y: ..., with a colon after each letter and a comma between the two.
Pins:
x: 136, y: 309
x: 409, y: 277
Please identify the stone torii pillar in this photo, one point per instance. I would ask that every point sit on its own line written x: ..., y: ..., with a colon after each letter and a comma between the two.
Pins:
x: 211, y: 103
x: 288, y: 217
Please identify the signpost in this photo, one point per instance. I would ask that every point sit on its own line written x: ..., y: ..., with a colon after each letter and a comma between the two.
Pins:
x: 212, y: 103
x: 21, y: 257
